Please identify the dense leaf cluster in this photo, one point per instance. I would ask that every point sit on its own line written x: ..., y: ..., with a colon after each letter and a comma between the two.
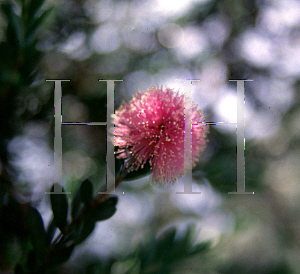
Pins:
x: 47, y: 251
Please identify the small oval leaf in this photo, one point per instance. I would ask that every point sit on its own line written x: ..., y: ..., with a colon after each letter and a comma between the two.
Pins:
x: 61, y: 255
x: 76, y: 205
x: 86, y: 191
x: 34, y: 5
x: 36, y: 231
x: 35, y: 23
x: 59, y: 204
x: 50, y: 231
x: 139, y: 173
x: 14, y: 31
x: 165, y: 243
x: 103, y: 210
x: 86, y: 228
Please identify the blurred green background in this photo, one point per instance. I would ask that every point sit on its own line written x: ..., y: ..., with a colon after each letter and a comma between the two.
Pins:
x: 147, y: 43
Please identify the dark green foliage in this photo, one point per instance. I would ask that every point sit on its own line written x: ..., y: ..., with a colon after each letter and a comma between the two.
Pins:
x: 62, y: 254
x: 76, y: 204
x: 86, y: 192
x: 134, y: 174
x: 104, y: 210
x: 59, y: 204
x: 158, y: 255
x: 33, y: 25
x: 165, y: 244
x: 19, y: 58
x: 33, y: 7
x: 60, y: 249
x: 84, y: 230
x: 14, y: 33
x: 100, y: 212
x: 50, y: 231
x: 18, y: 64
x: 171, y: 247
x: 36, y: 231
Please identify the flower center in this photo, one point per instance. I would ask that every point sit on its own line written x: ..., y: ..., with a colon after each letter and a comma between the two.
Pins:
x: 162, y: 128
x: 164, y: 132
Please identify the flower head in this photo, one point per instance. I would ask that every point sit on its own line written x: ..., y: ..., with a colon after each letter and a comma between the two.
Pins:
x: 151, y: 128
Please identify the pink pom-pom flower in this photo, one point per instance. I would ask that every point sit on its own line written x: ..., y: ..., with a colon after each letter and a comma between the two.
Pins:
x: 151, y: 128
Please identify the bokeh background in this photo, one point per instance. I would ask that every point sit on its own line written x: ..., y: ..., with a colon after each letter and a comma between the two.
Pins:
x: 148, y: 43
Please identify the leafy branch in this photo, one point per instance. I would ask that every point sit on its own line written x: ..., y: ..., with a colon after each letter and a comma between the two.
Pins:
x: 21, y: 38
x: 85, y: 212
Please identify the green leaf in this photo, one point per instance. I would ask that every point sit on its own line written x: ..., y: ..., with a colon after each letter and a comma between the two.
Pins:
x: 60, y: 255
x: 34, y: 5
x: 59, y: 204
x: 21, y: 1
x: 178, y: 248
x: 3, y: 192
x: 184, y: 243
x: 84, y: 230
x: 76, y: 205
x: 167, y: 237
x: 201, y: 247
x: 35, y: 23
x: 50, y: 231
x: 86, y: 192
x: 165, y: 242
x: 36, y: 231
x: 14, y: 32
x: 147, y: 249
x: 135, y: 174
x: 103, y: 210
